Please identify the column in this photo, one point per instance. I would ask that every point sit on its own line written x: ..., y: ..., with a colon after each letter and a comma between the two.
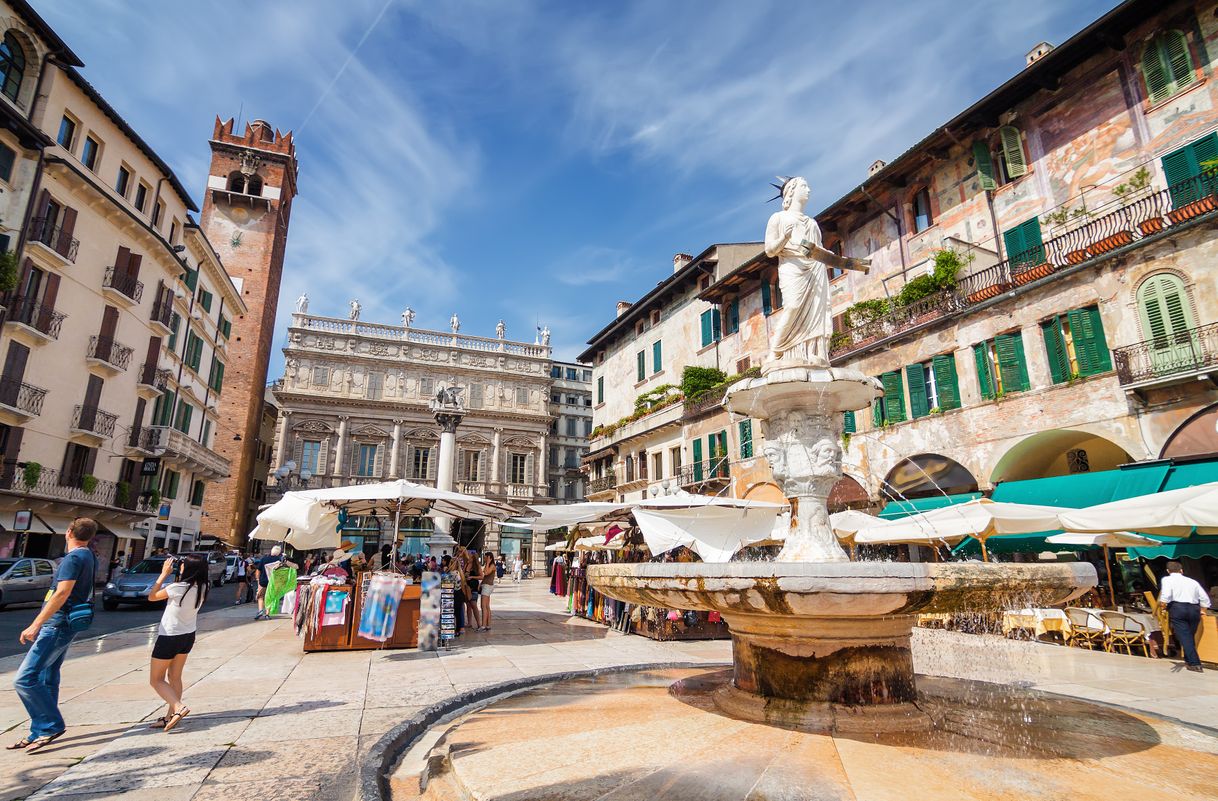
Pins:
x: 492, y: 475
x: 448, y: 420
x: 340, y: 455
x: 281, y: 447
x: 542, y: 476
x: 397, y: 447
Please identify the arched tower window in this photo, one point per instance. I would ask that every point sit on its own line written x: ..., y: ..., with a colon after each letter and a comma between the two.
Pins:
x: 254, y: 186
x: 236, y: 182
x: 12, y: 65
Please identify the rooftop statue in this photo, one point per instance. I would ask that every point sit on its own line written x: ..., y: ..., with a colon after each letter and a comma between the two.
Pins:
x: 355, y: 310
x: 302, y: 304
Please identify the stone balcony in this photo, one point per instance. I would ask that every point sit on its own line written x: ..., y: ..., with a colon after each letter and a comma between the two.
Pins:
x: 190, y: 455
x: 337, y: 325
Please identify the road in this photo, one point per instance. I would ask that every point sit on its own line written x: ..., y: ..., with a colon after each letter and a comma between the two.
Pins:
x: 16, y: 617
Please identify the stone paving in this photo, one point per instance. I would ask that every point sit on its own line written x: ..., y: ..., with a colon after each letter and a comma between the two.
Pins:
x: 270, y: 722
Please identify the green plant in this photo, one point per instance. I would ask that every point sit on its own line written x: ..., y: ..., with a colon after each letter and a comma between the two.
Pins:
x: 31, y: 473
x: 1056, y: 219
x: 846, y: 441
x: 1140, y: 179
x: 122, y: 493
x: 657, y: 397
x: 696, y: 380
x: 935, y: 410
x: 865, y: 311
x: 839, y: 340
x: 88, y: 483
x: 8, y: 271
x: 1081, y: 213
x: 154, y: 498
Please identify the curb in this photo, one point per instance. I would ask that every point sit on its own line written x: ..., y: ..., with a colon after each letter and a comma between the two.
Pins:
x: 374, y: 773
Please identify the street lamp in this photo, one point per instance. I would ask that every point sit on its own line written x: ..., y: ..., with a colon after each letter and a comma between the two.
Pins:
x: 288, y: 478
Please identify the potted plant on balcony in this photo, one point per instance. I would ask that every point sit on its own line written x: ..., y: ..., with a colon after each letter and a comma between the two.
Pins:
x: 1055, y: 220
x: 122, y: 493
x: 1032, y: 273
x: 8, y: 271
x: 31, y: 473
x: 987, y: 292
x: 88, y: 484
x: 1188, y: 211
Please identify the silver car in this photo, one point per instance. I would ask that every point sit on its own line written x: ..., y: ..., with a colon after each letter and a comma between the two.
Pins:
x: 133, y: 584
x: 25, y: 580
x: 215, y: 565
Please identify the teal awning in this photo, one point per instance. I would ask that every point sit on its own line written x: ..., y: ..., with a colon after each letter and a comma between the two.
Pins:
x: 1192, y: 548
x: 898, y: 509
x: 1190, y: 474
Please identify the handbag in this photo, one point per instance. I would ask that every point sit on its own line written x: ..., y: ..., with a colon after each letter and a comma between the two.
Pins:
x: 80, y: 615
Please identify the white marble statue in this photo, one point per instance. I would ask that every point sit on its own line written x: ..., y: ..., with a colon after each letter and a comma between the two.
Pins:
x: 355, y: 310
x: 302, y: 303
x: 545, y: 336
x: 806, y: 322
x: 454, y: 323
x: 500, y: 329
x: 408, y: 317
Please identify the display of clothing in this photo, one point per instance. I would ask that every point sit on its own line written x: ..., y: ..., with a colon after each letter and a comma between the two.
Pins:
x: 279, y: 583
x: 333, y: 606
x: 558, y: 581
x: 380, y: 609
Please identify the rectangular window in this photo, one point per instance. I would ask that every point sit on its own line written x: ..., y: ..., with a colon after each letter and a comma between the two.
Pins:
x: 169, y: 486
x: 476, y: 396
x: 367, y: 460
x: 427, y: 386
x: 849, y: 426
x: 205, y: 437
x: 572, y: 424
x: 1024, y: 245
x: 1184, y: 167
x: 711, y: 331
x: 640, y: 366
x: 162, y: 410
x: 175, y: 323
x: 657, y: 466
x: 88, y: 154
x: 157, y: 208
x: 674, y: 455
x: 733, y: 317
x: 8, y: 157
x: 891, y: 407
x: 205, y: 300
x: 555, y: 371
x: 124, y: 181
x: 516, y: 468
x: 420, y: 463
x: 141, y: 196
x: 656, y: 357
x: 921, y: 210
x: 173, y: 233
x: 1075, y: 344
x: 376, y: 385
x: 716, y: 448
x: 572, y: 375
x: 196, y: 493
x: 194, y: 350
x: 522, y: 396
x: 226, y: 327
x: 67, y: 132
x: 181, y: 421
x: 1001, y: 366
x: 216, y: 378
x: 321, y: 377
x: 587, y: 376
x: 309, y: 455
x: 600, y: 389
x: 473, y: 465
x: 746, y: 439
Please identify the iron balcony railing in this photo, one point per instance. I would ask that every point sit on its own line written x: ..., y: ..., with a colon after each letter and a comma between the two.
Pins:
x: 44, y: 230
x: 94, y: 420
x: 716, y: 469
x: 43, y: 319
x: 1173, y: 354
x: 162, y: 310
x: 1147, y: 216
x: 708, y: 402
x: 23, y: 397
x: 153, y: 376
x: 110, y: 351
x: 126, y: 284
x: 144, y: 438
x: 602, y: 484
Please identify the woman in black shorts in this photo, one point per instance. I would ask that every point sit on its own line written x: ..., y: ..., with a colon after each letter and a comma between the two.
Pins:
x: 175, y: 636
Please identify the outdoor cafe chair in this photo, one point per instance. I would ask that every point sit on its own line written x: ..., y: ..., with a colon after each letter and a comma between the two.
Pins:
x: 1085, y: 631
x: 1124, y: 630
x: 1160, y: 612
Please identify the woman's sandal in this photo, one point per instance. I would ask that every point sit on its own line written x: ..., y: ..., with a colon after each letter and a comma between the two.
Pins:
x: 176, y: 718
x: 159, y: 723
x: 20, y: 744
x: 40, y: 743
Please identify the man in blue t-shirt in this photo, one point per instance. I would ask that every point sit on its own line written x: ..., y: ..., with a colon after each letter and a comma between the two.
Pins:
x: 265, y: 565
x: 37, y: 681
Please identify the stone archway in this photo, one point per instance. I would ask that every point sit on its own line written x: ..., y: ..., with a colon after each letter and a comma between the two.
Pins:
x: 1060, y: 452
x: 925, y: 475
x: 1196, y: 436
x: 848, y: 493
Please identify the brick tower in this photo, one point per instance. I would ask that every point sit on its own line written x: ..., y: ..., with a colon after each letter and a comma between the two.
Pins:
x: 246, y: 210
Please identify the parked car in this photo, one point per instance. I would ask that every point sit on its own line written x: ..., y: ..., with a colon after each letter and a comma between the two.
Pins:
x: 133, y: 584
x: 215, y: 565
x: 25, y: 580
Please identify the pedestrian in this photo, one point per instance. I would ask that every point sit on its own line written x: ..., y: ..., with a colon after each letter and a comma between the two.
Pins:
x: 243, y: 587
x: 473, y: 584
x: 175, y: 636
x: 455, y: 568
x: 1184, y: 599
x: 116, y: 563
x: 500, y: 567
x: 37, y: 680
x: 266, y: 565
x: 489, y: 574
x: 517, y: 568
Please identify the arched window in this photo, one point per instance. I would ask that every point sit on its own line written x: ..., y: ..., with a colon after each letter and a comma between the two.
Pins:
x: 1163, y: 305
x: 12, y: 65
x: 1167, y: 66
x: 254, y: 186
x: 236, y: 182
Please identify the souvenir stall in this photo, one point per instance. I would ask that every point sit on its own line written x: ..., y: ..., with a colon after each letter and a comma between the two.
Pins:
x: 347, y: 606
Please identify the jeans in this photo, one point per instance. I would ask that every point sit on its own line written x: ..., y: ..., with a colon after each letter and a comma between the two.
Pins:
x: 37, y: 682
x: 1185, y: 618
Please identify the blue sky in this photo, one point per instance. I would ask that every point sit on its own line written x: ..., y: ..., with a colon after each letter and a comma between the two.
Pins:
x: 538, y: 161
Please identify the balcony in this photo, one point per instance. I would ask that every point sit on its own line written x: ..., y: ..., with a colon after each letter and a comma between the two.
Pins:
x: 715, y: 470
x: 92, y: 422
x: 1149, y: 217
x: 108, y: 354
x: 602, y: 484
x: 162, y: 313
x: 122, y: 287
x: 19, y: 402
x: 189, y: 455
x: 53, y: 238
x: 48, y: 484
x: 152, y: 379
x: 1170, y: 359
x: 143, y: 441
x: 43, y: 322
x: 471, y: 487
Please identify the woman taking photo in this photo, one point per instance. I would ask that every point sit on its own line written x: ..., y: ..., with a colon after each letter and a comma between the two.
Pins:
x: 176, y: 633
x: 489, y: 573
x: 472, y: 571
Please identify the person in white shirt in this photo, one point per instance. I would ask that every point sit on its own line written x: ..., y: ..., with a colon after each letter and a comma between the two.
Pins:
x: 1184, y: 599
x: 517, y: 568
x: 176, y: 633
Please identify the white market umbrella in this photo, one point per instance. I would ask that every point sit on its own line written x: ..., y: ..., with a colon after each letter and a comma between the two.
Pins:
x: 1105, y: 540
x: 1175, y: 513
x: 409, y: 499
x: 300, y: 522
x: 557, y: 546
x: 714, y: 532
x: 848, y: 522
x: 573, y: 514
x: 980, y: 518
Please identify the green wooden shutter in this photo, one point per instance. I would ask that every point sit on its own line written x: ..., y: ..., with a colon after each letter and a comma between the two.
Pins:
x: 919, y: 406
x: 985, y: 167
x: 877, y: 412
x: 848, y: 424
x: 1176, y: 57
x: 640, y: 367
x: 1155, y: 72
x: 1055, y: 347
x: 733, y: 317
x: 1011, y: 362
x: 657, y: 363
x: 1012, y: 151
x: 894, y: 397
x: 720, y: 452
x: 716, y: 324
x: 946, y: 381
x: 1097, y: 345
x: 1012, y: 240
x: 697, y: 467
x: 767, y: 305
x: 746, y: 439
x: 984, y: 383
x: 1082, y: 334
x: 1164, y: 309
x: 1034, y: 249
x: 706, y: 328
x: 1205, y: 156
x: 1179, y: 171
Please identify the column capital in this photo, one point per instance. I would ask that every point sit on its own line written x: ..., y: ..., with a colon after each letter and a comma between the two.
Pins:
x: 285, y: 412
x: 397, y: 421
x: 342, y: 418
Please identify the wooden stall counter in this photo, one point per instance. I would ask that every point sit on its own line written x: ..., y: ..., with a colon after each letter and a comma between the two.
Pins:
x: 345, y: 636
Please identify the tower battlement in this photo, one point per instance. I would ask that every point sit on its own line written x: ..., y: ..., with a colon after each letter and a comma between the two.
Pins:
x: 258, y: 133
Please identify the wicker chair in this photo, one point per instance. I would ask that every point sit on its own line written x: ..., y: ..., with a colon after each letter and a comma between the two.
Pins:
x: 1124, y: 630
x: 1160, y: 613
x: 1084, y: 631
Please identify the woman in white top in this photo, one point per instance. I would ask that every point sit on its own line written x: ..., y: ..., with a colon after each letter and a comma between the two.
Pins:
x: 175, y: 636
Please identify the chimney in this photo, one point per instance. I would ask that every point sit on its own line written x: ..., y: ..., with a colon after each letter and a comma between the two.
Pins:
x: 623, y: 306
x: 1038, y: 52
x: 680, y: 260
x: 876, y: 166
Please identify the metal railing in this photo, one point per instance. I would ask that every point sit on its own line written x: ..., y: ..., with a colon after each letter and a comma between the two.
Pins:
x: 1173, y: 354
x: 1147, y: 216
x: 602, y: 484
x: 201, y: 458
x: 144, y: 438
x: 153, y: 376
x: 43, y: 319
x: 93, y: 420
x: 110, y: 351
x: 123, y: 283
x: 708, y: 402
x: 716, y: 469
x: 25, y: 398
x: 162, y: 310
x: 44, y: 230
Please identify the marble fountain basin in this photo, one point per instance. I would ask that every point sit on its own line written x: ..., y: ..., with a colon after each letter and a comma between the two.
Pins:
x: 825, y: 646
